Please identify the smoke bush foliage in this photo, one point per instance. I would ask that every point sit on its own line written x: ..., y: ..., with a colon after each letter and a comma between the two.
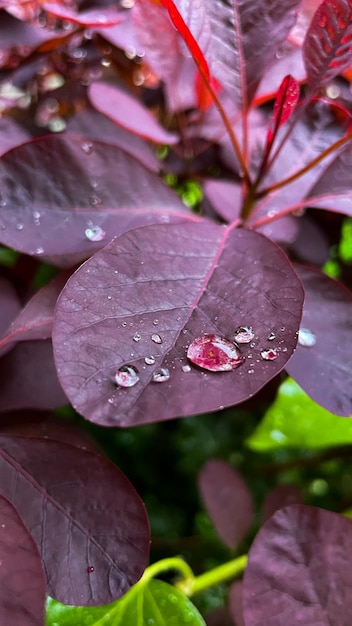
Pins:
x: 174, y: 179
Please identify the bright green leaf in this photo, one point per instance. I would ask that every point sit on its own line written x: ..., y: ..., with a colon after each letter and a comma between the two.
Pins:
x: 150, y: 603
x: 294, y: 420
x: 345, y: 247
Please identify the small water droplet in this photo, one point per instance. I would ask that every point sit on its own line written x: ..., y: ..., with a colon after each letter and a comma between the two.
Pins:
x: 2, y: 201
x: 109, y: 297
x: 161, y: 375
x: 90, y: 569
x: 124, y: 324
x: 269, y: 355
x: 251, y: 371
x: 39, y: 250
x: 111, y: 400
x: 156, y: 322
x: 19, y: 226
x: 186, y: 368
x: 95, y: 233
x: 244, y: 334
x: 87, y: 147
x: 306, y: 338
x: 214, y: 353
x: 127, y: 376
x: 156, y: 339
x: 271, y: 336
x: 95, y: 200
x: 150, y: 360
x: 137, y: 337
x: 150, y: 621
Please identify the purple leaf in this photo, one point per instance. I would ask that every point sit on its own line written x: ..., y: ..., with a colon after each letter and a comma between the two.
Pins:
x: 129, y: 113
x: 236, y: 603
x: 225, y: 196
x: 28, y: 378
x: 332, y: 191
x: 146, y: 296
x: 57, y: 189
x: 22, y: 578
x: 324, y: 368
x: 228, y: 501
x: 279, y: 497
x: 10, y: 304
x: 11, y: 135
x: 36, y: 318
x: 327, y: 48
x: 299, y: 570
x: 82, y: 512
x: 311, y: 244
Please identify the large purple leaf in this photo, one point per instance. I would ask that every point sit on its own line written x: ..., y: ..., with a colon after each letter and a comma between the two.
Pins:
x: 22, y: 578
x: 129, y: 113
x: 28, y: 378
x: 36, y: 318
x: 327, y: 48
x: 86, y: 518
x: 146, y: 296
x: 324, y: 369
x: 228, y: 501
x: 299, y: 570
x: 239, y: 39
x: 63, y: 197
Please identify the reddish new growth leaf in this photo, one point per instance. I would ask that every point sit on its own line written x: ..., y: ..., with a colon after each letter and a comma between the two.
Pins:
x: 285, y: 104
x: 22, y: 578
x: 327, y: 47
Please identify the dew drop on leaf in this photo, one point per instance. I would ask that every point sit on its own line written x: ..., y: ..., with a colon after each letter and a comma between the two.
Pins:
x: 244, y: 334
x: 186, y: 368
x: 157, y: 339
x: 39, y: 250
x: 306, y: 338
x: 95, y: 200
x: 19, y: 226
x: 87, y: 147
x: 214, y: 353
x: 137, y: 337
x: 95, y: 233
x: 156, y: 322
x: 269, y: 355
x: 271, y: 336
x: 127, y: 376
x: 149, y: 360
x: 90, y: 569
x: 161, y: 375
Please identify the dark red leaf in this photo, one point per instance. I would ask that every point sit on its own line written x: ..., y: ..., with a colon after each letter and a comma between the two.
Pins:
x: 285, y: 104
x: 28, y: 378
x: 327, y: 48
x: 82, y: 512
x: 10, y: 304
x: 323, y: 369
x: 225, y: 196
x: 227, y: 500
x: 94, y: 17
x: 146, y: 296
x: 22, y: 578
x: 279, y: 497
x: 60, y: 192
x: 36, y: 318
x: 129, y: 113
x: 299, y: 570
x: 219, y: 617
x: 332, y: 191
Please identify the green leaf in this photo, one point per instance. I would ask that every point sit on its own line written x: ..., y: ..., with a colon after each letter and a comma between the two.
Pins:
x: 150, y: 603
x: 296, y: 421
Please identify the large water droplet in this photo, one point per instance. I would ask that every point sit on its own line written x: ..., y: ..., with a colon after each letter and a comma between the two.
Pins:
x: 95, y: 233
x: 269, y: 355
x: 137, y: 337
x: 306, y: 338
x: 161, y: 375
x: 127, y: 376
x: 149, y: 360
x: 214, y: 353
x: 244, y: 334
x: 157, y: 339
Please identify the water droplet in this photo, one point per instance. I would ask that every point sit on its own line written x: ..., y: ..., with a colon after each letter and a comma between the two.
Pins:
x: 39, y: 250
x: 306, y: 338
x: 271, y: 336
x: 150, y: 360
x: 90, y: 569
x: 127, y: 376
x: 2, y: 201
x: 95, y: 200
x: 161, y: 375
x: 214, y: 353
x: 186, y: 368
x: 250, y: 371
x: 150, y: 621
x: 124, y: 324
x: 19, y: 226
x: 137, y: 337
x: 156, y: 322
x: 244, y: 334
x: 157, y: 339
x: 87, y: 147
x: 111, y: 400
x: 269, y: 355
x: 95, y: 233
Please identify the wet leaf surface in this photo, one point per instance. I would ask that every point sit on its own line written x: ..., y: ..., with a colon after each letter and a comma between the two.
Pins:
x: 299, y: 570
x: 82, y: 512
x: 22, y: 578
x: 151, y: 293
x: 323, y: 369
